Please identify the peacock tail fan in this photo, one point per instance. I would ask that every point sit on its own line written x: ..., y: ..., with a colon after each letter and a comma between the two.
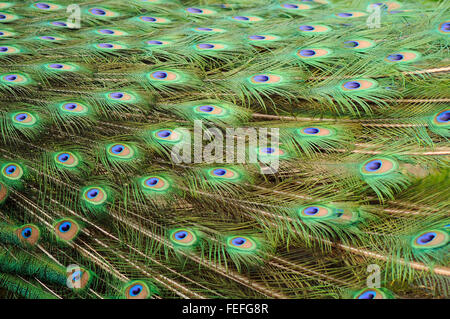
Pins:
x: 240, y: 149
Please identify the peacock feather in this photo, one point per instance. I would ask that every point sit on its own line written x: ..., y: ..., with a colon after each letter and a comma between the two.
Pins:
x: 247, y: 149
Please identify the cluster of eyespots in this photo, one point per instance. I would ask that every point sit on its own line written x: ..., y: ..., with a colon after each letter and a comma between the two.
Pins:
x: 183, y: 237
x: 378, y: 166
x: 208, y: 30
x: 293, y: 6
x: 199, y: 11
x: 28, y: 234
x: 14, y: 79
x: 102, y: 12
x: 262, y: 38
x: 77, y: 277
x: 155, y: 183
x: 403, y: 57
x: 95, y: 195
x: 121, y: 151
x: 358, y: 85
x: 121, y: 96
x: 371, y: 293
x: 23, y: 119
x: 154, y: 20
x: 106, y: 46
x: 12, y: 171
x: 242, y: 244
x: 265, y: 79
x: 167, y: 135
x: 61, y: 67
x: 66, y: 229
x: 46, y: 6
x: 313, y: 131
x: 73, y: 108
x: 359, y: 44
x: 430, y: 239
x: 246, y: 19
x: 314, y: 28
x: 7, y: 17
x: 163, y: 76
x: 313, y: 53
x: 3, y: 192
x: 136, y: 289
x: 222, y: 173
x: 111, y: 32
x: 66, y: 159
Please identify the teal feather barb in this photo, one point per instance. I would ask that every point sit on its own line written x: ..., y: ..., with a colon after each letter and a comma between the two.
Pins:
x: 246, y: 149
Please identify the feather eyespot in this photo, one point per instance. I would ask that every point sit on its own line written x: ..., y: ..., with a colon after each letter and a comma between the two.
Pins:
x: 223, y: 173
x: 157, y: 42
x: 3, y: 192
x: 263, y: 38
x: 199, y: 11
x: 183, y: 237
x: 208, y: 30
x: 163, y: 76
x: 122, y: 151
x: 355, y: 14
x: 292, y: 6
x: 370, y: 293
x: 316, y: 212
x: 61, y: 24
x: 74, y: 108
x: 66, y: 229
x: 12, y: 171
x: 268, y: 153
x: 23, y: 119
x: 137, y: 289
x: 168, y: 135
x: 359, y: 44
x: 6, y: 49
x: 316, y: 28
x: 209, y: 46
x: 28, y: 234
x: 5, y: 33
x: 315, y: 131
x: 111, y: 32
x: 7, y: 17
x: 246, y: 19
x: 378, y: 166
x: 120, y: 96
x: 444, y: 27
x: 95, y: 195
x: 60, y: 67
x: 154, y: 20
x: 442, y: 118
x: 209, y: 110
x: 430, y: 239
x: 403, y: 57
x: 78, y: 277
x: 110, y: 46
x: 155, y: 183
x: 46, y: 6
x: 50, y: 38
x: 66, y: 159
x: 262, y: 79
x: 241, y: 243
x: 310, y: 53
x: 102, y: 12
x: 14, y: 78
x: 358, y: 85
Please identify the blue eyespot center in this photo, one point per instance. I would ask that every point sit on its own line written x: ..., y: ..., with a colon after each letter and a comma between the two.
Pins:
x: 2, y: 16
x: 46, y: 37
x: 116, y: 95
x: 152, y: 181
x: 257, y: 37
x: 93, y: 193
x: 206, y: 108
x: 345, y: 14
x: 70, y: 106
x: 445, y: 27
x: 444, y: 117
x: 21, y: 117
x: 311, y: 130
x: 241, y: 18
x: 11, y: 77
x: 3, y: 49
x: 373, y: 166
x: 194, y: 10
x: 10, y: 169
x: 180, y: 235
x: 65, y: 227
x: 290, y: 6
x: 368, y: 295
x: 206, y: 46
x: 261, y: 78
x: 56, y: 66
x: 306, y: 28
x: 98, y: 12
x: 106, y: 31
x: 42, y: 5
x: 268, y: 150
x: 117, y: 149
x: 164, y: 133
x: 159, y: 74
x: 395, y: 57
x: 149, y: 19
x: 352, y: 85
x: 239, y: 241
x: 106, y: 45
x: 308, y: 52
x: 351, y: 44
x: 136, y: 290
x: 426, y: 238
x: 154, y: 42
x: 59, y: 24
x: 63, y: 157
x: 26, y: 233
x: 311, y: 211
x: 204, y: 29
x: 219, y: 172
x: 76, y: 276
